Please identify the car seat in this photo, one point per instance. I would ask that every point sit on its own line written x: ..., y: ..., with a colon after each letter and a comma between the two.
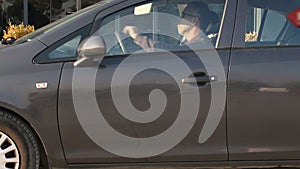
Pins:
x: 212, y: 29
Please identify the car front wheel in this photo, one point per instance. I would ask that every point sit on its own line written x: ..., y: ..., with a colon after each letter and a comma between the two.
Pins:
x: 18, y: 146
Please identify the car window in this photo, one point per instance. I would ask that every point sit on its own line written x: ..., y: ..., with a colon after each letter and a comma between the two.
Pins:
x: 65, y: 49
x: 267, y: 24
x: 156, y: 25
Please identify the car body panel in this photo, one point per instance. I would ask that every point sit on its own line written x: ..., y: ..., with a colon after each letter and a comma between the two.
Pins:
x: 263, y: 113
x: 263, y: 91
x: 37, y: 106
x: 188, y: 150
x: 258, y: 128
x: 84, y: 150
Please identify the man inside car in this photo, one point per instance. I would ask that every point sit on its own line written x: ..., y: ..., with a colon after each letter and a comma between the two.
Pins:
x: 194, y: 20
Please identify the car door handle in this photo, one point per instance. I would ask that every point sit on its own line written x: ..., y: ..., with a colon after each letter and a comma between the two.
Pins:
x: 199, y: 79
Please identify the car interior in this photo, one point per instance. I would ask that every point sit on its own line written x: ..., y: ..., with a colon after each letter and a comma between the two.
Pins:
x: 275, y: 12
x: 151, y: 23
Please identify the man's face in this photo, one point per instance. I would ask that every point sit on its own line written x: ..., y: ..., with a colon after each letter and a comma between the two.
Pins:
x: 185, y: 24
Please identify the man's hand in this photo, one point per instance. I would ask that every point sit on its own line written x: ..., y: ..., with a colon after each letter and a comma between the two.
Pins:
x: 143, y: 41
x: 131, y: 31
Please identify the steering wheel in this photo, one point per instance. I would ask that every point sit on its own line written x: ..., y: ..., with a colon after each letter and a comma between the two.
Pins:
x: 123, y: 48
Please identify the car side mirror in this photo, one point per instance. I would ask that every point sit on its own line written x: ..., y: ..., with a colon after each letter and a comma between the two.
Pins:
x: 90, y: 51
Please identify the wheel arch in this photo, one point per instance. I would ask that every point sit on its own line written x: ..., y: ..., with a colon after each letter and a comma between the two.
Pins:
x: 44, y: 161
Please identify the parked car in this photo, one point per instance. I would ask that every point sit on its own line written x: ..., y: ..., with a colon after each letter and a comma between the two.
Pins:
x: 52, y: 79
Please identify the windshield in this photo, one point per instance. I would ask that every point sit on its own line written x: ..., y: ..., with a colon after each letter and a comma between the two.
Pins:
x: 58, y: 23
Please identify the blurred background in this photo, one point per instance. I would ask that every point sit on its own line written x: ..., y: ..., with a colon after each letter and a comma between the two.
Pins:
x: 38, y: 12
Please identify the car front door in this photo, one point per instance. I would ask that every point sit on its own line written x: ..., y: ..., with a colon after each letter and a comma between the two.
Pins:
x: 156, y: 105
x: 263, y: 91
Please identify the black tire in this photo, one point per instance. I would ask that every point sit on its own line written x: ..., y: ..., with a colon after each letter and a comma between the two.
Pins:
x: 19, y: 134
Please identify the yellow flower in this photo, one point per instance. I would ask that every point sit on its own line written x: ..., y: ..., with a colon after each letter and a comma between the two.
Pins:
x: 17, y: 31
x: 251, y: 37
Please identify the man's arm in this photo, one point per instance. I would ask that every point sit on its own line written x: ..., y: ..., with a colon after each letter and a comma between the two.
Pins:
x: 143, y: 41
x: 149, y: 44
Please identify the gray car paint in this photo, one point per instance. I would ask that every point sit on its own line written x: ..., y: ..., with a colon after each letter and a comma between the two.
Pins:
x: 275, y: 128
x: 18, y: 79
x: 263, y: 108
x: 83, y: 150
x: 188, y: 150
x: 263, y: 93
x: 19, y: 94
